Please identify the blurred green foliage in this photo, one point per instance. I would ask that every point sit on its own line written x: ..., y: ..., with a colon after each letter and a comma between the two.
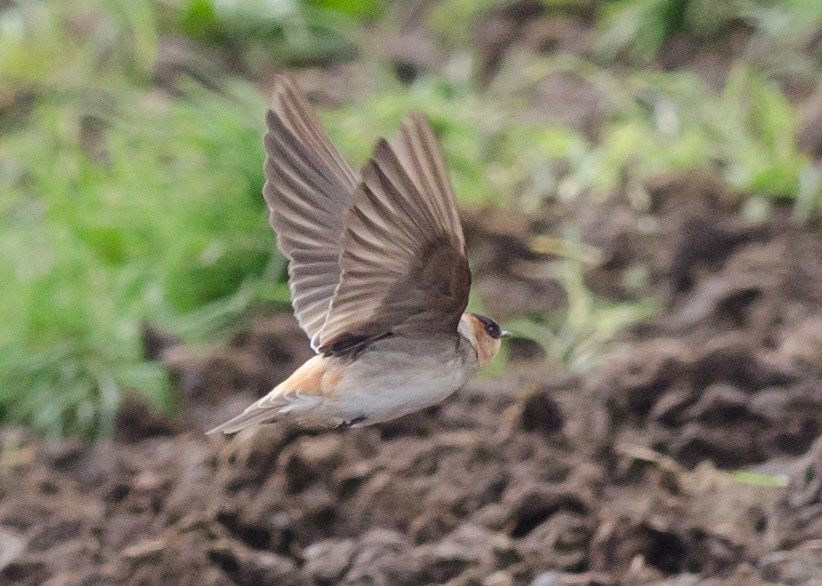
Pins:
x: 577, y: 336
x: 121, y: 202
x: 639, y: 28
x: 320, y: 32
x: 642, y: 26
x: 658, y: 121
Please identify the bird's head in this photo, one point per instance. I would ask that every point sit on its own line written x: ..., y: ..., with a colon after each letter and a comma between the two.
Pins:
x: 483, y: 333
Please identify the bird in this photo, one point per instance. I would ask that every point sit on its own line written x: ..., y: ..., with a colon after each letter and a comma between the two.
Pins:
x: 378, y: 273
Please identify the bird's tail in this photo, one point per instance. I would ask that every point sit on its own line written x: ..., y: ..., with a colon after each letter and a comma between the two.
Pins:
x: 256, y: 414
x: 267, y: 410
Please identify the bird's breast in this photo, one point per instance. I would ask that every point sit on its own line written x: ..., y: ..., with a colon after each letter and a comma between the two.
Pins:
x: 382, y: 385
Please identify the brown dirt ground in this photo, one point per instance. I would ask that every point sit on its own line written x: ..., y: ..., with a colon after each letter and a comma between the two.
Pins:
x: 615, y: 477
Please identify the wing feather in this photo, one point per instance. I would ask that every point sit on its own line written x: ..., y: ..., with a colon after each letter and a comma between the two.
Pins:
x: 309, y: 188
x: 403, y: 263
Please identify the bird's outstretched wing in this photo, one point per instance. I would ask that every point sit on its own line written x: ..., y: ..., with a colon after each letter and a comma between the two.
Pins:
x: 403, y: 264
x: 309, y: 189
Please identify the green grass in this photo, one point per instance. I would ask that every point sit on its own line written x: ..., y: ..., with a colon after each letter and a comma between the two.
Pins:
x: 120, y: 204
x: 638, y: 28
x: 169, y: 220
x: 577, y: 336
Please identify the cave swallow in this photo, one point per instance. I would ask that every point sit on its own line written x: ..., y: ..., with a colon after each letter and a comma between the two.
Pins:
x: 378, y: 274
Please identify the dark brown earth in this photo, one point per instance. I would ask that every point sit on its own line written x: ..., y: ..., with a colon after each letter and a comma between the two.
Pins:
x: 616, y: 477
x: 627, y: 474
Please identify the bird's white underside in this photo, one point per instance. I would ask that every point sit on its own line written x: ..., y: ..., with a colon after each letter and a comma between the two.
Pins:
x: 372, y: 391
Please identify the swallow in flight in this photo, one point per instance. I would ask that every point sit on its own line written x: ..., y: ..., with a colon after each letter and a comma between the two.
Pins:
x: 378, y: 274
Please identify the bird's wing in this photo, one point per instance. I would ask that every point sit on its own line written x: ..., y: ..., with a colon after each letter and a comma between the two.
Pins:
x: 309, y: 188
x: 404, y: 268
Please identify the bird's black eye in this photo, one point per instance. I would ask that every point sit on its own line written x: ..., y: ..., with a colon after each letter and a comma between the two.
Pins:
x: 493, y: 330
x: 491, y: 327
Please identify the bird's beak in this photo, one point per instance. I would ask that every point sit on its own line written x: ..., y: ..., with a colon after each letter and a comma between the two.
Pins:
x: 505, y: 334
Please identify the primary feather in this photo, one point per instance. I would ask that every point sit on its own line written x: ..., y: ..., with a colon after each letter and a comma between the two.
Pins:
x: 309, y: 188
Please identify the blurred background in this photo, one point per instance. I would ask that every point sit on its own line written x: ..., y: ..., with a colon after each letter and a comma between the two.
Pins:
x: 640, y: 183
